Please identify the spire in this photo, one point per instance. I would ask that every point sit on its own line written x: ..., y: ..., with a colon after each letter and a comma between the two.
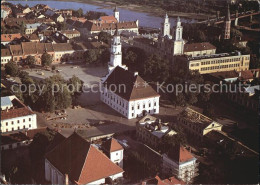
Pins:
x: 166, y: 16
x: 228, y: 13
x: 115, y: 10
x: 178, y: 19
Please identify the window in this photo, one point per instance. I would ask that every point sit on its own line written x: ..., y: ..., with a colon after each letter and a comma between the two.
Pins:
x: 6, y: 130
x: 132, y: 114
x: 13, y: 129
x: 132, y: 107
x: 18, y: 121
x: 23, y: 120
x: 18, y: 128
x: 6, y: 123
x: 24, y: 126
x: 116, y: 153
x: 30, y: 119
x: 12, y: 122
x: 29, y: 125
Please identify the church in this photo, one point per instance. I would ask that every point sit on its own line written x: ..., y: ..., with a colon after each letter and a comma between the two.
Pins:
x: 125, y: 91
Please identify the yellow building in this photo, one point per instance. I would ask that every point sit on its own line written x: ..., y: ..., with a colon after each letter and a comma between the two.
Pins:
x: 214, y: 63
x: 197, y: 124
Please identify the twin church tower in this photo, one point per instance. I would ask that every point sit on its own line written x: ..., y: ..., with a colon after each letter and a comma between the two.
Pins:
x: 178, y: 42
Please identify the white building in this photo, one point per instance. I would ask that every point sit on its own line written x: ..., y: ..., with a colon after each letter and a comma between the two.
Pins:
x: 5, y: 56
x: 178, y: 42
x: 81, y: 162
x: 114, y: 151
x: 124, y: 91
x: 181, y: 164
x: 116, y: 14
x: 16, y: 116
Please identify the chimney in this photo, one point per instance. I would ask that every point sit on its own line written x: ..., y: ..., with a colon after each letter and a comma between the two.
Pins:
x: 66, y: 179
x: 136, y: 73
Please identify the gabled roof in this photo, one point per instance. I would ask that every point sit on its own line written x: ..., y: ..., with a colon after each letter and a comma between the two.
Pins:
x: 108, y: 19
x: 10, y: 37
x: 5, y: 53
x: 198, y: 47
x: 180, y: 154
x: 92, y: 26
x: 111, y: 145
x: 128, y: 85
x: 158, y: 181
x: 81, y: 161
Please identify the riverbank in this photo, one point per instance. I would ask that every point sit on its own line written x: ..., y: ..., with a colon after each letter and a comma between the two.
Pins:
x: 144, y: 9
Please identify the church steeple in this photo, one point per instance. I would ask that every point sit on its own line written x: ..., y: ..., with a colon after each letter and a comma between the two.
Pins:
x: 116, y: 14
x: 115, y: 52
x: 227, y: 24
x: 166, y: 26
x: 178, y: 48
x: 179, y: 30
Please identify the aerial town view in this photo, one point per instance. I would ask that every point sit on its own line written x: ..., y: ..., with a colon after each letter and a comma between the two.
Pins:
x: 130, y: 92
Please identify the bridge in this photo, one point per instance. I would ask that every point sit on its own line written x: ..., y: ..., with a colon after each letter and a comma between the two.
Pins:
x: 233, y: 17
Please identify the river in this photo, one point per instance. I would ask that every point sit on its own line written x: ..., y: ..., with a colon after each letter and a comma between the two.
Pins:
x: 145, y: 19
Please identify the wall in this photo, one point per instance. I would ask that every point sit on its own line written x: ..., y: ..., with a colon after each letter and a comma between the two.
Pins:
x: 25, y: 122
x: 117, y: 157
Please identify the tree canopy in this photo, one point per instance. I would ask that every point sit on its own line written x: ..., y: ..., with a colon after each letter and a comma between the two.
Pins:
x: 46, y: 59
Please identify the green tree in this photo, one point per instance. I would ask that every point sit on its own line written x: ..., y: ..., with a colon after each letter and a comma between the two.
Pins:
x: 11, y: 69
x: 156, y: 69
x: 30, y: 60
x: 105, y: 56
x: 75, y: 85
x: 22, y: 27
x: 104, y: 37
x: 91, y: 56
x: 55, y: 94
x: 46, y: 59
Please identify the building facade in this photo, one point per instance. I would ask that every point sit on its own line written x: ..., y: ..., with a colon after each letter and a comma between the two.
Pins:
x: 181, y: 164
x: 196, y: 124
x: 214, y: 63
x: 15, y: 116
x: 124, y: 91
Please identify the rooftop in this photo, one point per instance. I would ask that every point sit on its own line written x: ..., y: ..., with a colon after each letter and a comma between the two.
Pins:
x: 10, y: 37
x: 111, y: 145
x: 198, y: 47
x: 192, y: 116
x: 129, y: 86
x: 220, y: 55
x: 81, y: 161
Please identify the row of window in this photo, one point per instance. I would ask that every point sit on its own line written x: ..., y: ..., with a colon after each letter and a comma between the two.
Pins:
x: 220, y: 61
x: 18, y: 128
x: 18, y: 121
x: 5, y: 60
x: 219, y: 67
x: 138, y: 105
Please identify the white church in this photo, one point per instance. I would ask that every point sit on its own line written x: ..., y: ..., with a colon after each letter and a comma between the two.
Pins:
x: 125, y: 91
x: 166, y: 43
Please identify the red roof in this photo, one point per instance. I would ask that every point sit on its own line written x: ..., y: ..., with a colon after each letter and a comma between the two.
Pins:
x: 198, y: 47
x: 134, y: 86
x: 10, y: 37
x: 108, y: 19
x: 112, y: 145
x: 180, y: 154
x: 81, y: 161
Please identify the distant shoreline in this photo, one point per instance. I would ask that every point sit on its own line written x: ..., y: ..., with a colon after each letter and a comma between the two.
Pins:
x: 144, y: 9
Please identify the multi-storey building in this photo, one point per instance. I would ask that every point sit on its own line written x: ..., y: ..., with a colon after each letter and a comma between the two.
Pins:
x: 180, y: 163
x: 214, y: 63
x: 124, y: 91
x: 5, y: 56
x: 76, y: 161
x: 114, y: 151
x: 151, y: 130
x: 196, y: 124
x: 15, y: 116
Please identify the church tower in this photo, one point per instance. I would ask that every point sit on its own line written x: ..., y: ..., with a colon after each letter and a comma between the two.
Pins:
x: 116, y: 14
x: 178, y: 42
x: 166, y: 26
x: 227, y: 25
x: 115, y: 52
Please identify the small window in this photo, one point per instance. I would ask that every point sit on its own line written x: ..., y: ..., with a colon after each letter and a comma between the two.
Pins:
x: 13, y: 129
x: 6, y: 123
x: 116, y: 153
x: 6, y: 130
x: 12, y: 122
x: 18, y: 128
x: 24, y: 126
x: 18, y: 121
x: 23, y: 120
x: 29, y: 125
x: 30, y: 119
